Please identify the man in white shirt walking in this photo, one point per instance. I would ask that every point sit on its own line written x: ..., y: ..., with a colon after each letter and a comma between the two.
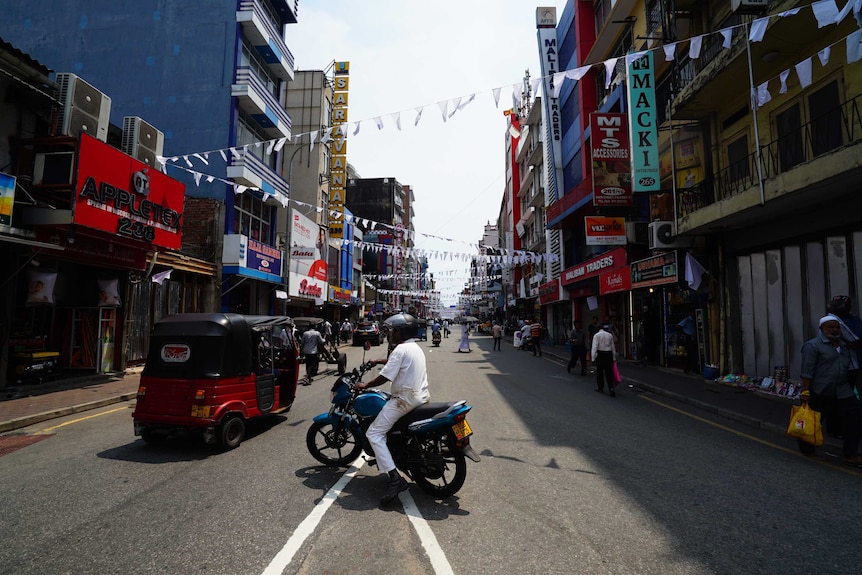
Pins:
x: 604, y: 354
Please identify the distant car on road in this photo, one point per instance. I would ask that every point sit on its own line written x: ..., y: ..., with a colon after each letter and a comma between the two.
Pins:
x: 368, y: 331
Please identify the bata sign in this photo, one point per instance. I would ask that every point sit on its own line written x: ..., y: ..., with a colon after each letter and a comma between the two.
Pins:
x: 607, y: 261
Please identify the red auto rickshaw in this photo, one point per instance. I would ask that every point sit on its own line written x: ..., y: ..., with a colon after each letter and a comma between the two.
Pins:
x: 212, y: 372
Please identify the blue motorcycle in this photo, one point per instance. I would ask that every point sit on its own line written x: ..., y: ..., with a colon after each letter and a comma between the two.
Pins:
x: 430, y: 444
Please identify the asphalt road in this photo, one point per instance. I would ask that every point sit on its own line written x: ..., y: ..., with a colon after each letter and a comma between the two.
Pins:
x: 570, y: 481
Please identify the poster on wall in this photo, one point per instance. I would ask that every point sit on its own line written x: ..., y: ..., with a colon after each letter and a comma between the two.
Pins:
x: 7, y: 198
x: 308, y: 272
x: 605, y: 231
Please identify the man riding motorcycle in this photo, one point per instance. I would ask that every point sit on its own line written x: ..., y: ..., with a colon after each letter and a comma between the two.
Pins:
x: 405, y: 368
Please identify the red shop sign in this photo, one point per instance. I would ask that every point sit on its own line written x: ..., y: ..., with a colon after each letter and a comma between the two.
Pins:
x: 594, y: 267
x: 615, y: 281
x: 549, y: 292
x: 118, y: 194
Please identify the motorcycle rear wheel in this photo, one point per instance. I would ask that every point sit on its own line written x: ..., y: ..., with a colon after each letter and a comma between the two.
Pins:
x: 333, y: 447
x: 446, y: 470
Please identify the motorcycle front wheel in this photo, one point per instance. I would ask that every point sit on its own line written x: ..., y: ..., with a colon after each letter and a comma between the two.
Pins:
x: 334, y: 447
x: 443, y: 469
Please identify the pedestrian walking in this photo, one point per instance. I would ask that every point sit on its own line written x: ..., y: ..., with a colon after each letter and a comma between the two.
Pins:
x: 826, y: 359
x: 497, y: 334
x: 464, y: 344
x: 311, y: 340
x: 604, y: 354
x: 577, y: 341
x: 536, y: 337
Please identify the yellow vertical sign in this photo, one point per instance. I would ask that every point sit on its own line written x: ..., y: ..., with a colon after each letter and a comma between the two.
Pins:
x: 338, y: 157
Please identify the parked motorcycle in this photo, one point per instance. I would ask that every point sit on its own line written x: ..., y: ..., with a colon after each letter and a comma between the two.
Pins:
x: 430, y: 444
x: 435, y: 338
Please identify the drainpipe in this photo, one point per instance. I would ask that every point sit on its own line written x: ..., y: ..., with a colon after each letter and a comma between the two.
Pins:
x: 754, y: 115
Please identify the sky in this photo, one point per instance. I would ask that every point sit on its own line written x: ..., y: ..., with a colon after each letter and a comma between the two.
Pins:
x: 409, y: 54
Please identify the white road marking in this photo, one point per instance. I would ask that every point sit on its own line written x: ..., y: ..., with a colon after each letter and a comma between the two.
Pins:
x: 435, y: 553
x: 308, y: 525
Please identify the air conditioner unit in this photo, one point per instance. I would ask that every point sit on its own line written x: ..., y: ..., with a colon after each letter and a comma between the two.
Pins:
x: 661, y: 236
x: 637, y: 232
x: 84, y: 108
x: 749, y: 6
x: 142, y: 141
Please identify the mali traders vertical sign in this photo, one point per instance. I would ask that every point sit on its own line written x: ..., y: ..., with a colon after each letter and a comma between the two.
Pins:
x: 338, y: 151
x: 642, y: 121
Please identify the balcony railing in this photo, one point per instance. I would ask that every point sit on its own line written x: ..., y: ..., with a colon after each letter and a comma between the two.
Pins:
x: 268, y: 109
x: 809, y: 142
x: 255, y: 7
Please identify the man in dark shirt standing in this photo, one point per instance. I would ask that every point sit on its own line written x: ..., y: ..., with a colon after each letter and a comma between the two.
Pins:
x: 577, y: 339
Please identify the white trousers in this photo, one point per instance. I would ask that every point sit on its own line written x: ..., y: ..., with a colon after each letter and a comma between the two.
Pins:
x: 392, y: 411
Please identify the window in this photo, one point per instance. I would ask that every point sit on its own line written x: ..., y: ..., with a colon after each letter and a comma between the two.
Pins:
x: 787, y: 125
x: 247, y: 133
x: 249, y: 58
x: 252, y: 218
x: 737, y: 159
x: 826, y: 124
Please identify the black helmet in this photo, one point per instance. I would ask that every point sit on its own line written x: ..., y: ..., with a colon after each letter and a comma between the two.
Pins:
x: 405, y: 323
x: 839, y: 305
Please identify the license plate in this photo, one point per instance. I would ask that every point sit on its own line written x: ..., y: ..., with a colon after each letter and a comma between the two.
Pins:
x: 462, y: 429
x: 200, y: 411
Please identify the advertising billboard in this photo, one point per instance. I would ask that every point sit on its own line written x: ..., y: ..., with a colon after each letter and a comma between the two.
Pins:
x: 609, y: 143
x: 308, y: 271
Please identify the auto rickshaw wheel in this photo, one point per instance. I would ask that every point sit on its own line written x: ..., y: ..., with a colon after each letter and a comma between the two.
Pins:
x: 342, y: 363
x: 231, y: 432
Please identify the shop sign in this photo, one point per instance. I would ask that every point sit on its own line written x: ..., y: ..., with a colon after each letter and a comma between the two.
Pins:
x: 611, y: 163
x: 619, y: 280
x: 118, y: 194
x: 550, y: 292
x: 339, y: 295
x: 643, y: 121
x: 604, y: 231
x: 244, y: 252
x: 657, y: 270
x: 592, y: 268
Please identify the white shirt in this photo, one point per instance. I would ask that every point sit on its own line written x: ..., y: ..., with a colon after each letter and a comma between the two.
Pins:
x: 405, y: 368
x: 603, y: 341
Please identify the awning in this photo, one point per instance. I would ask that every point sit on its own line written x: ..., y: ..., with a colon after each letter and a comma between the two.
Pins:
x: 29, y: 242
x: 182, y: 262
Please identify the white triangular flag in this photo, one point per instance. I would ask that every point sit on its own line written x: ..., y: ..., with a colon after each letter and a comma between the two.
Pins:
x: 456, y: 105
x: 803, y: 70
x: 669, y: 52
x: 694, y: 47
x: 161, y: 276
x: 397, y: 117
x: 558, y: 83
x: 496, y: 93
x: 783, y: 77
x: 693, y: 272
x: 443, y: 105
x: 763, y: 95
x: 727, y: 34
x: 609, y: 71
x: 758, y: 29
x: 824, y: 55
x: 854, y: 46
x: 826, y: 12
x: 356, y: 127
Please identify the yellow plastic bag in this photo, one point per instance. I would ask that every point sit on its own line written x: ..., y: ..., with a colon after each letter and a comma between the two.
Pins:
x: 805, y: 424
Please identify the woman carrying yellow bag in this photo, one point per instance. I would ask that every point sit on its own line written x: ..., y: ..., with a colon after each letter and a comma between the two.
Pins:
x: 826, y: 388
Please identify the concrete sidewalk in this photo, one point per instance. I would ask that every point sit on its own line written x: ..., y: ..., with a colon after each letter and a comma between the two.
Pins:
x: 29, y: 404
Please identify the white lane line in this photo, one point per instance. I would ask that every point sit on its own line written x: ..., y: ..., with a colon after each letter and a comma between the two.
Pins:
x: 308, y: 525
x: 435, y: 553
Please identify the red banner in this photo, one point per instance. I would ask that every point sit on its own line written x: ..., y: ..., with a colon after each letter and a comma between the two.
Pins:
x: 118, y: 194
x: 549, y: 292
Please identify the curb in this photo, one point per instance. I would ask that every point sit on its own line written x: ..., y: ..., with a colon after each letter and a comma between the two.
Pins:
x: 29, y: 420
